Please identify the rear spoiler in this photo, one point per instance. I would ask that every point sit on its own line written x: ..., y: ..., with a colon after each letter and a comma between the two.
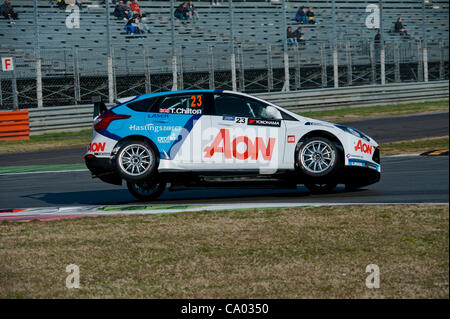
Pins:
x: 100, y: 106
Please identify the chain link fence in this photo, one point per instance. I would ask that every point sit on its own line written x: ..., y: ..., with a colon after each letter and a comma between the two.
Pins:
x: 71, y: 77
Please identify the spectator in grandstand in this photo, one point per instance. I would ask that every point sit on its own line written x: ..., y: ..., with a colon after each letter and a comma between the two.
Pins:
x: 181, y: 12
x: 311, y: 16
x: 136, y: 9
x: 128, y: 10
x: 8, y: 11
x: 377, y: 39
x: 119, y: 11
x: 299, y: 36
x: 61, y: 4
x: 132, y: 26
x: 301, y: 16
x: 141, y: 25
x: 291, y: 38
x: 215, y: 3
x: 192, y: 10
x: 377, y: 42
x: 64, y: 3
x: 399, y: 28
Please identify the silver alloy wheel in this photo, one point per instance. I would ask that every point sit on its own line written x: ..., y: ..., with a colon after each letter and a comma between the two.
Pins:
x: 317, y: 156
x: 135, y: 159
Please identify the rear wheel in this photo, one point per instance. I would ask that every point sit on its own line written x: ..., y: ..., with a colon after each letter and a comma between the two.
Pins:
x: 136, y: 161
x: 147, y: 190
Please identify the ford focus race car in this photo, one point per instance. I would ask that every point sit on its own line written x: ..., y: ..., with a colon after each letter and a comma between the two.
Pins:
x: 216, y: 138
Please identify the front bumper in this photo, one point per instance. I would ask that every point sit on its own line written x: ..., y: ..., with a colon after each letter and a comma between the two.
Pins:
x: 103, y: 168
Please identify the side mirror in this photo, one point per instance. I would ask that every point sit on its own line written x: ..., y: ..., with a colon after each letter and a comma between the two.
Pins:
x: 273, y: 113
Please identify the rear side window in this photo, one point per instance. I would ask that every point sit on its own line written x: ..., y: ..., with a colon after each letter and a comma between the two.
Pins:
x: 143, y: 105
x: 183, y: 104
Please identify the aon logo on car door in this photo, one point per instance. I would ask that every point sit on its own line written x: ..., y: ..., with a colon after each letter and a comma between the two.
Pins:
x: 244, y: 132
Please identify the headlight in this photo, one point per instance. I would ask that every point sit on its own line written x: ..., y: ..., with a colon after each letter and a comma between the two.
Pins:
x: 353, y: 131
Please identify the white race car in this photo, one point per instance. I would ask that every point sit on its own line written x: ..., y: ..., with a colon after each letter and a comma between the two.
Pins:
x: 216, y: 138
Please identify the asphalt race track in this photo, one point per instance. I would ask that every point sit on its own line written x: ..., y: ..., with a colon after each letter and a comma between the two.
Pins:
x: 409, y: 179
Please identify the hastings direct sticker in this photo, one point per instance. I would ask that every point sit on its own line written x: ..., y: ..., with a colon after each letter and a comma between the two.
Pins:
x: 154, y: 128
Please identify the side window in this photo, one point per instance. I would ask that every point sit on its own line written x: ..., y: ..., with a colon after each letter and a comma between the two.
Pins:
x: 142, y: 105
x: 230, y: 105
x: 182, y: 104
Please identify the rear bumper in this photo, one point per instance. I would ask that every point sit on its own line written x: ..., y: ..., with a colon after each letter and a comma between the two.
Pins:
x: 103, y: 168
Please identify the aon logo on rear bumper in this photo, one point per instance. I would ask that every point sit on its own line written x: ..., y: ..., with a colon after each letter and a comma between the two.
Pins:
x: 96, y: 147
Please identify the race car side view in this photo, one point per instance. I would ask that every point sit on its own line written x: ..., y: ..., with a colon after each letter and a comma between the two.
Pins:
x: 216, y: 138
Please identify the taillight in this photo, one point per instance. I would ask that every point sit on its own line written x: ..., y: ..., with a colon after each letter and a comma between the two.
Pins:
x: 102, y: 122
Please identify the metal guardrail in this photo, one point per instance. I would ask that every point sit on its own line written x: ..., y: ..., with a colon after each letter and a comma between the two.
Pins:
x: 77, y: 117
x: 365, y: 95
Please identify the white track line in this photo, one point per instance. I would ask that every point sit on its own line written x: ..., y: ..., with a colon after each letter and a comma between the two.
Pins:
x: 97, y: 210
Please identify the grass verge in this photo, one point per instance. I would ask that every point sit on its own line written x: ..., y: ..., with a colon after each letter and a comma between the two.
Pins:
x: 360, y: 113
x: 415, y: 146
x: 47, y: 142
x: 317, y: 252
x: 41, y: 168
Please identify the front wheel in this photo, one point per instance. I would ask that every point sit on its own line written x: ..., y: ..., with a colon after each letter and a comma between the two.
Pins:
x: 321, y: 188
x: 146, y: 191
x: 318, y: 157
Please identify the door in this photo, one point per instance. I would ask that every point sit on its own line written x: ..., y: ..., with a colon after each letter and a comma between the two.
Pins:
x: 244, y: 135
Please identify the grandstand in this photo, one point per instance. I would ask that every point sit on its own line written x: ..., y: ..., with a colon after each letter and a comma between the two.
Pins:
x: 204, y: 44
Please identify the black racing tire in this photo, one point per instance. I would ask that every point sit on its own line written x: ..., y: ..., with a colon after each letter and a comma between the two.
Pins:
x: 318, y: 157
x: 146, y: 191
x: 136, y: 161
x: 321, y: 188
